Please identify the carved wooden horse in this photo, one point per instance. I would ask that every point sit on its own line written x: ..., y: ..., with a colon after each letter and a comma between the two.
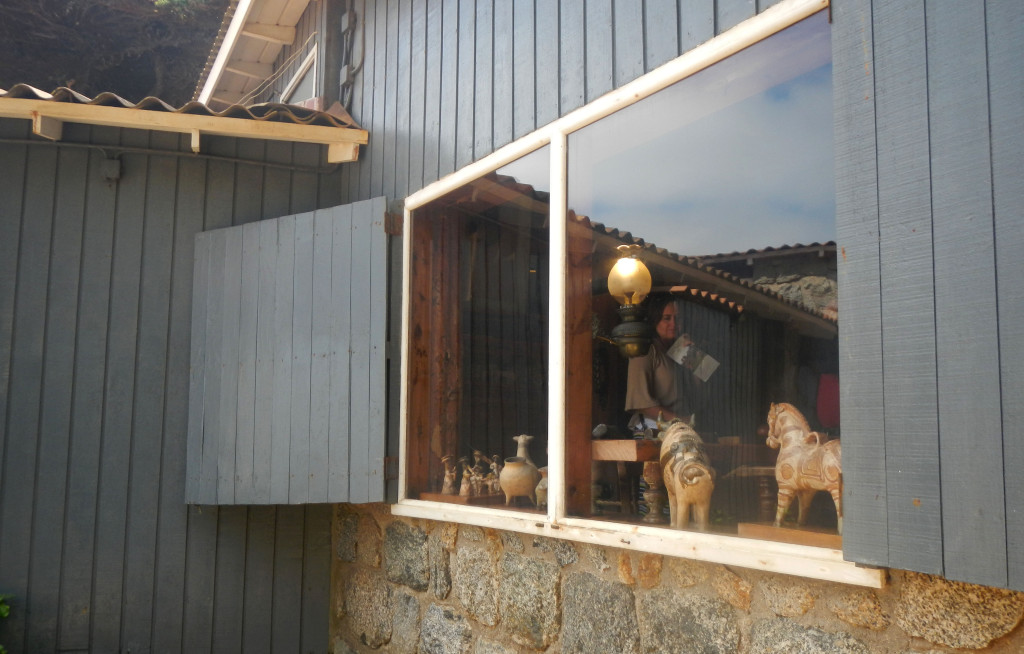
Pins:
x: 805, y: 465
x: 688, y: 475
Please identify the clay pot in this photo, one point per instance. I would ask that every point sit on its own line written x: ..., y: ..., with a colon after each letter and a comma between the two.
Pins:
x: 542, y: 488
x: 519, y: 478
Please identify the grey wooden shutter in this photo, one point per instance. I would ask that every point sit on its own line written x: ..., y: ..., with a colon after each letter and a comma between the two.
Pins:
x: 287, y: 390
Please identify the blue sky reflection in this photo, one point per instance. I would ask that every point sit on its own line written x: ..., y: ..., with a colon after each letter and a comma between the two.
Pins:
x: 738, y: 156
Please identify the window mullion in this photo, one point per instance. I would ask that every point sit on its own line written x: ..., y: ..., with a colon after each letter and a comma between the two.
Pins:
x: 556, y: 331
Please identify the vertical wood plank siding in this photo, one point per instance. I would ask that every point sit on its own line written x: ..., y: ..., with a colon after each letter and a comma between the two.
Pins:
x: 97, y: 545
x: 326, y: 398
x: 485, y: 72
x: 930, y: 224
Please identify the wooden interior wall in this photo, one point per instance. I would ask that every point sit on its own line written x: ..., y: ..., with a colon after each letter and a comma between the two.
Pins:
x: 97, y: 545
x: 930, y: 310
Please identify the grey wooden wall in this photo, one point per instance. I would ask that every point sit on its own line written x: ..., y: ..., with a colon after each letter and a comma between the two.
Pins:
x: 97, y: 544
x: 445, y: 82
x: 929, y: 149
x: 287, y: 398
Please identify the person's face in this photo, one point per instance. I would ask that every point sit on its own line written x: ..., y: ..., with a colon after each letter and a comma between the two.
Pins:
x: 666, y: 327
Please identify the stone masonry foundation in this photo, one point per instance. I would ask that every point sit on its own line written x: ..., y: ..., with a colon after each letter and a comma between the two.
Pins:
x: 416, y: 586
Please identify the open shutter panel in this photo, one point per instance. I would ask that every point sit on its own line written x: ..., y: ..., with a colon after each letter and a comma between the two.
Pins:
x: 287, y: 396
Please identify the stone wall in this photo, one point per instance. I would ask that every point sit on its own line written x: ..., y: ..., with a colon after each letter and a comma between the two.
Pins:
x: 402, y: 585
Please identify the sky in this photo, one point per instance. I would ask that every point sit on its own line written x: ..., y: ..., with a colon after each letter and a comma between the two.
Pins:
x: 739, y: 156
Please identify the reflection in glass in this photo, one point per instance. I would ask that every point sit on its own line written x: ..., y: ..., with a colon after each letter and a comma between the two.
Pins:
x: 478, y: 332
x: 726, y: 181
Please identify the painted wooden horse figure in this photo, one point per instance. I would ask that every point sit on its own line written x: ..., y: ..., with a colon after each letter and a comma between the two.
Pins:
x: 807, y: 463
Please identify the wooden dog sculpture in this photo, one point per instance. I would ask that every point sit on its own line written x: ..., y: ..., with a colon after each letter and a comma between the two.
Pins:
x: 687, y: 474
x: 806, y: 464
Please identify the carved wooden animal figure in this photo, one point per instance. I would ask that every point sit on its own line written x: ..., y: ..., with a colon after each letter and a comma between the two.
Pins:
x: 806, y: 464
x: 687, y: 474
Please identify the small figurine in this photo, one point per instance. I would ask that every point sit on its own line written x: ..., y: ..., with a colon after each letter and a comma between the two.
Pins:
x: 465, y: 489
x: 495, y: 475
x: 687, y: 475
x: 807, y: 463
x: 522, y: 452
x: 448, y: 487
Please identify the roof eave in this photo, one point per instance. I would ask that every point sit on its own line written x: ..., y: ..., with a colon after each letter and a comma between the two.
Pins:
x: 48, y: 118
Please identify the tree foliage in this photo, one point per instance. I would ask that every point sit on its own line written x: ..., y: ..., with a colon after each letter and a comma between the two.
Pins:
x: 133, y: 48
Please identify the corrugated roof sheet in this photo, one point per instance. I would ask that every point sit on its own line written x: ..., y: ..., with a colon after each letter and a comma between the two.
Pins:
x: 267, y: 112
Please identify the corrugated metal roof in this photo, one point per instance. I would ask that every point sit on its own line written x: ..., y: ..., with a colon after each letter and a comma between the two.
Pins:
x: 48, y: 112
x: 795, y: 248
x: 270, y: 111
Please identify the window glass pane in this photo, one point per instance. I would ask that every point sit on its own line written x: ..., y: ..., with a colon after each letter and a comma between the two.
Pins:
x: 725, y: 181
x: 478, y: 334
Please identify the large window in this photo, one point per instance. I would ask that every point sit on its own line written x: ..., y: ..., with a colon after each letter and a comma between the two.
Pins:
x: 717, y: 174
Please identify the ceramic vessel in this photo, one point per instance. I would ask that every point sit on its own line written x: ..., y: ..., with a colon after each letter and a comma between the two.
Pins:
x: 519, y: 478
x: 542, y: 488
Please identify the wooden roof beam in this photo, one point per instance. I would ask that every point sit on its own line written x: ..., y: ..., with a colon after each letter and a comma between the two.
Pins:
x: 250, y: 69
x: 47, y: 118
x: 281, y: 34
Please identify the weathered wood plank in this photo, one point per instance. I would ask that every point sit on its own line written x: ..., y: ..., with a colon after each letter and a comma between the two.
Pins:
x: 302, y: 335
x: 286, y: 602
x: 282, y: 399
x: 970, y: 436
x: 696, y: 23
x: 388, y: 169
x: 504, y: 65
x: 865, y: 535
x: 1005, y: 33
x: 228, y: 591
x: 571, y: 55
x: 377, y: 425
x: 449, y: 88
x: 731, y: 13
x: 230, y: 309
x: 483, y: 83
x: 524, y: 54
x: 905, y: 250
x: 405, y: 100
x: 432, y: 93
x: 197, y: 367
x: 150, y: 391
x: 115, y: 459
x: 200, y: 575
x: 320, y: 368
x: 628, y: 39
x: 417, y: 93
x: 259, y: 580
x: 263, y: 418
x: 316, y: 578
x: 359, y: 391
x: 57, y: 381
x: 87, y: 412
x: 376, y: 160
x: 172, y: 529
x: 547, y: 65
x: 245, y: 431
x: 599, y: 52
x: 340, y: 353
x: 25, y: 386
x: 464, y: 89
x: 661, y: 32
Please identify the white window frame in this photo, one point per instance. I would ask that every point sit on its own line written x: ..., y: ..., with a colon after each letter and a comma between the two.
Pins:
x: 773, y: 556
x: 307, y: 63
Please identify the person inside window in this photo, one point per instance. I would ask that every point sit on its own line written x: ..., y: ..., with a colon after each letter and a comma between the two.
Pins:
x: 653, y: 386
